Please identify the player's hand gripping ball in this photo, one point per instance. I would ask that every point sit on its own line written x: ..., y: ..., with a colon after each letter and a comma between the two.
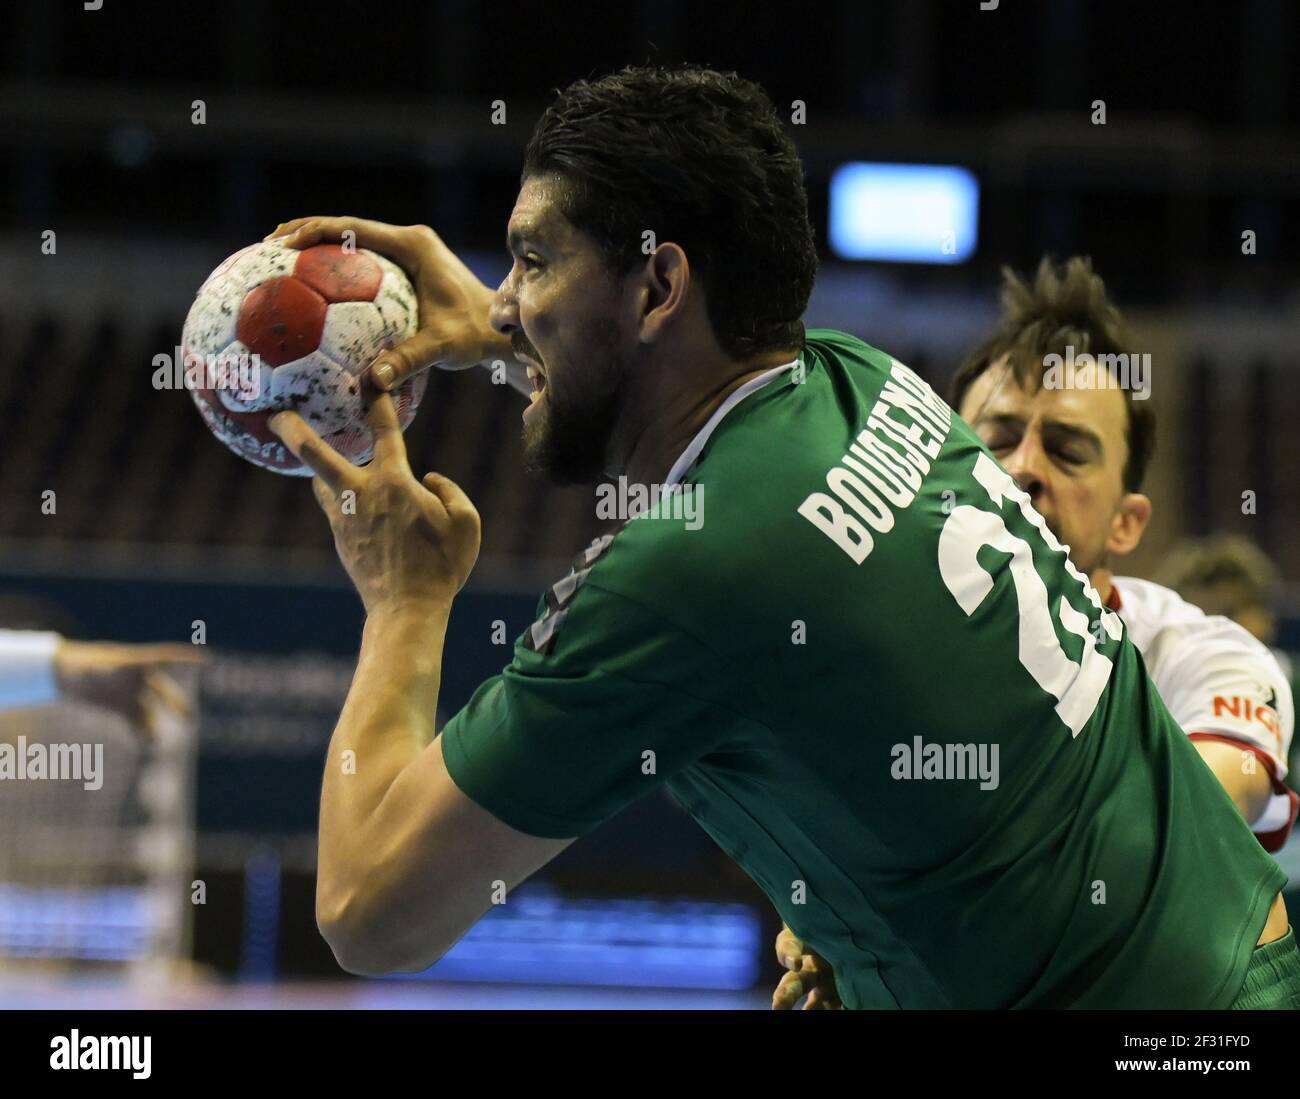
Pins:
x: 275, y: 329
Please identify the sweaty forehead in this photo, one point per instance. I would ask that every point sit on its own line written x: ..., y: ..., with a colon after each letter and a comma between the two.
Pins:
x: 1085, y: 404
x: 537, y: 212
x: 1096, y: 417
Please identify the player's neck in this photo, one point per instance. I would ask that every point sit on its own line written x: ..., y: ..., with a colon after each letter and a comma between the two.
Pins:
x: 1100, y: 579
x: 659, y: 442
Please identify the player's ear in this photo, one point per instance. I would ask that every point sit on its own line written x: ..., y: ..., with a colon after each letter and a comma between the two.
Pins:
x: 1129, y: 523
x: 662, y: 294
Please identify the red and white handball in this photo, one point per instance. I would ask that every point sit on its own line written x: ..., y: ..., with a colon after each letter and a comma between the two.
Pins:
x: 275, y: 329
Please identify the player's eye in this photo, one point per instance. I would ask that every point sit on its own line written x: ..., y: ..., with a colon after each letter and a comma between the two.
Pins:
x: 530, y: 262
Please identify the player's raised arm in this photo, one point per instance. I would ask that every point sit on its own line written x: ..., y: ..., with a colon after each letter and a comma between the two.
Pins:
x: 454, y: 332
x: 406, y: 861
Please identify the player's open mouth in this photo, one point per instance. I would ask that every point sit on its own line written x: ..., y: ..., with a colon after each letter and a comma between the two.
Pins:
x: 538, y: 379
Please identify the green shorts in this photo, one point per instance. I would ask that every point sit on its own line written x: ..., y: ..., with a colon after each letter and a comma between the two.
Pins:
x: 1273, y: 978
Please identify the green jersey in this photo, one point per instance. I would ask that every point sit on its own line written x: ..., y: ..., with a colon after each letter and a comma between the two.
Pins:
x: 859, y: 659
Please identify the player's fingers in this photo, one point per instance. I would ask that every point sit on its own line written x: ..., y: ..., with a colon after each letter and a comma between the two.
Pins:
x: 168, y: 692
x: 827, y: 1000
x: 387, y: 431
x: 789, y: 991
x: 287, y: 228
x: 314, y: 231
x: 395, y: 365
x: 325, y: 496
x: 304, y: 232
x: 789, y: 950
x: 153, y: 707
x: 816, y: 1001
x: 313, y: 451
x: 815, y: 963
x: 163, y: 652
x: 397, y: 242
x: 453, y: 498
x: 140, y: 713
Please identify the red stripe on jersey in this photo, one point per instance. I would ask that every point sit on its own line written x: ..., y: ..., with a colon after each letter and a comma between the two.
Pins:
x: 1274, y: 841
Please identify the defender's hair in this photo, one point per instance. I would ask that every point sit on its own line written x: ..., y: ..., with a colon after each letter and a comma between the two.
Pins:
x: 1066, y: 305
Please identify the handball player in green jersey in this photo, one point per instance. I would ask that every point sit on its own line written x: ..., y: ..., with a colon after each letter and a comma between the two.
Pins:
x: 842, y: 637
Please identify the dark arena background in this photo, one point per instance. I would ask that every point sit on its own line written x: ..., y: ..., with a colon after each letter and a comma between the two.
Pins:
x: 142, y: 143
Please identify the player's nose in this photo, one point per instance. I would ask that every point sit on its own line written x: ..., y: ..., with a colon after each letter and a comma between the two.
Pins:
x: 1025, y: 466
x: 503, y: 316
x: 1032, y: 486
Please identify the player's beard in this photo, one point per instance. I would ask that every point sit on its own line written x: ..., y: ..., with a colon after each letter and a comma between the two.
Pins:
x: 568, y: 439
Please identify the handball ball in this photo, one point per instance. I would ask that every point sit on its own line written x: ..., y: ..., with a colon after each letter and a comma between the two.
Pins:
x: 275, y: 329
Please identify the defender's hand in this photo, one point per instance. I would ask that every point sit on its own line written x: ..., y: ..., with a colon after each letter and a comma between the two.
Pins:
x: 810, y: 975
x: 402, y: 542
x: 129, y: 680
x: 454, y: 332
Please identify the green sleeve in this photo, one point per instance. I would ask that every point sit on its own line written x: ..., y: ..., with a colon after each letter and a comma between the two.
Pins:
x: 563, y: 739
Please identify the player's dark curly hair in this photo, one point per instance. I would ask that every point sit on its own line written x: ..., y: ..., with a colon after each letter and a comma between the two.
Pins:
x: 700, y: 158
x: 1066, y: 304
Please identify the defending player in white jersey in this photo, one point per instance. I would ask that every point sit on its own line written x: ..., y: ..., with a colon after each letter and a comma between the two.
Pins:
x: 1080, y: 451
x: 1227, y: 692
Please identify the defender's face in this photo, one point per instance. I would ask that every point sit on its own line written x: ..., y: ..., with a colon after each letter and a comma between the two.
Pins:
x: 1065, y: 447
x: 560, y: 306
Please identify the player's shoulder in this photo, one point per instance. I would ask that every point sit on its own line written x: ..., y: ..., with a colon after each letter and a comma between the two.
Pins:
x: 645, y: 601
x: 836, y: 346
x: 707, y: 553
x: 602, y: 598
x: 1162, y: 621
x: 1146, y: 601
x: 663, y: 555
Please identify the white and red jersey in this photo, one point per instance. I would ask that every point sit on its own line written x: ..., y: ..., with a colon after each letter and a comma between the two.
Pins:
x: 1219, y: 682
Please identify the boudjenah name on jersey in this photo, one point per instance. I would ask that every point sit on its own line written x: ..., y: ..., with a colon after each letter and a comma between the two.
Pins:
x: 874, y: 475
x: 883, y: 468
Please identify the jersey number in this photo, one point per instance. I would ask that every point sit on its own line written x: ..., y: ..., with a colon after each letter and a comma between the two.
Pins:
x: 1077, y: 686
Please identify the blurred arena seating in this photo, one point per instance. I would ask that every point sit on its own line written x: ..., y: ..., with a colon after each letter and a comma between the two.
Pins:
x: 133, y: 466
